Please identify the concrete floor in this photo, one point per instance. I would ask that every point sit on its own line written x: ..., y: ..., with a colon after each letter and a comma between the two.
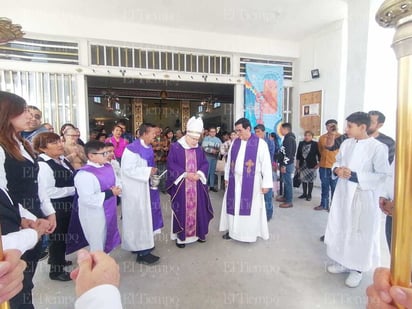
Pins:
x: 286, y: 271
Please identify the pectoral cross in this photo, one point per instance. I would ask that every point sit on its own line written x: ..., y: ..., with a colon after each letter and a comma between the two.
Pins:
x: 249, y: 165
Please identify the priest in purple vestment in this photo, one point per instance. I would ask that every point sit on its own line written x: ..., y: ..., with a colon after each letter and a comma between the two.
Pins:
x: 186, y: 183
x: 248, y: 176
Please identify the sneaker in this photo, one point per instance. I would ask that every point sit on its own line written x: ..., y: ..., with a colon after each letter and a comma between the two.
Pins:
x: 354, y: 279
x: 147, y: 259
x: 337, y: 269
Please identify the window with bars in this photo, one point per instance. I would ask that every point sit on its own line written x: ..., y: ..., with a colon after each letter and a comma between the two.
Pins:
x: 128, y: 57
x: 54, y: 94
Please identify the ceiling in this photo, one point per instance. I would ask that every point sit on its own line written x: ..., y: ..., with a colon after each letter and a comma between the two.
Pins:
x: 289, y: 20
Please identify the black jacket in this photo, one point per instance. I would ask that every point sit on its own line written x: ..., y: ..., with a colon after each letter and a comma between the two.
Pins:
x: 288, y: 149
x: 313, y: 157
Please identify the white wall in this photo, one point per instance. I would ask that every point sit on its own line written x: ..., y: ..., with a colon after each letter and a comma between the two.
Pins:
x: 323, y: 51
x: 42, y: 20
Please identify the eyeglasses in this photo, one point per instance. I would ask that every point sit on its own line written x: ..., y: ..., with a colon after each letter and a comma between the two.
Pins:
x: 104, y: 154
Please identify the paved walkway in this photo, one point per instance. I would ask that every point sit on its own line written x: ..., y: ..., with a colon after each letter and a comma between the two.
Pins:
x: 286, y: 271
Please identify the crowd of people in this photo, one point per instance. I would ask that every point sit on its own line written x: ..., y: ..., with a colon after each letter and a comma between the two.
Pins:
x: 60, y: 187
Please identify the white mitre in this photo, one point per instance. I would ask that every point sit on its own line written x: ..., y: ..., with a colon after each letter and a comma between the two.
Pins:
x: 194, y: 127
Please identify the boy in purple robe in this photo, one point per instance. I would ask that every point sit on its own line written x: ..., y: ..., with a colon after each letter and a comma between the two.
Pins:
x: 186, y: 183
x: 96, y: 186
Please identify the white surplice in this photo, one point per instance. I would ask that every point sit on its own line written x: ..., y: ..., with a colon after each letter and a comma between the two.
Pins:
x: 352, y: 233
x: 248, y: 228
x: 137, y: 233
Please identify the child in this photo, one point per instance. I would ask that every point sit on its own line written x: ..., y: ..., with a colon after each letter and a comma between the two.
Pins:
x: 96, y: 186
x: 112, y: 159
x: 352, y: 233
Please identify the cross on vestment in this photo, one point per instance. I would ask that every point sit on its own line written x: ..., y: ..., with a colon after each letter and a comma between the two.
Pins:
x: 249, y: 165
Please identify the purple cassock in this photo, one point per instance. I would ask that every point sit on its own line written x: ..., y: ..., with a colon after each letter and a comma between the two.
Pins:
x: 76, y: 239
x: 192, y: 209
x: 148, y: 155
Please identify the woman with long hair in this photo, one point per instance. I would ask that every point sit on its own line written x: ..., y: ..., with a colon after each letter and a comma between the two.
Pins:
x: 57, y: 178
x: 19, y: 174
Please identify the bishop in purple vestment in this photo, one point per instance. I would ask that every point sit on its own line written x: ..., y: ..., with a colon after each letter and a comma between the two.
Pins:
x: 186, y: 183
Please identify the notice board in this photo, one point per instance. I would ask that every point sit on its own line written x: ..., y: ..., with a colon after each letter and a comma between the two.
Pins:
x: 310, y: 111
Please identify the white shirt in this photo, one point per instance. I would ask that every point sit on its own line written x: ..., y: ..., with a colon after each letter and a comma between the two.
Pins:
x: 104, y: 296
x: 47, y: 182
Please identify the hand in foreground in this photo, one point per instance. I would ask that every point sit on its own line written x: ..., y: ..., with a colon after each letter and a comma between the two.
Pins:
x: 52, y: 223
x: 94, y: 269
x: 11, y: 274
x: 381, y: 294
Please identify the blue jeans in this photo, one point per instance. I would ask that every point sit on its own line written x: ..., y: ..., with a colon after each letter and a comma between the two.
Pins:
x: 268, y: 203
x: 327, y: 183
x: 211, y: 172
x: 287, y: 183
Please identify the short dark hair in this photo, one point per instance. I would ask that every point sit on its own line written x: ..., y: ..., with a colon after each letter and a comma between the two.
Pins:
x: 260, y: 127
x: 330, y: 121
x: 359, y: 118
x: 99, y: 135
x: 244, y: 122
x: 108, y: 144
x: 381, y: 117
x: 287, y: 125
x: 93, y: 146
x: 144, y: 128
x: 42, y: 139
x: 309, y: 132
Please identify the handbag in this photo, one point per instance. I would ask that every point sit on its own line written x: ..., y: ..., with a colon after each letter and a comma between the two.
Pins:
x: 296, y: 180
x: 220, y: 165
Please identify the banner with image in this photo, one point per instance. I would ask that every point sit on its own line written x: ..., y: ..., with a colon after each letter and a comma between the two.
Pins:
x: 264, y: 95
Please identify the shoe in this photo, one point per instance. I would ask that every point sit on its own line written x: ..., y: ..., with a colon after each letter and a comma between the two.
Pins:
x: 44, y: 255
x: 280, y: 199
x: 286, y: 205
x: 64, y: 276
x: 337, y: 269
x: 181, y: 246
x: 322, y: 238
x: 354, y: 279
x: 213, y: 189
x: 309, y: 198
x: 226, y: 236
x: 148, y: 259
x: 318, y: 208
x: 201, y: 240
x: 302, y: 196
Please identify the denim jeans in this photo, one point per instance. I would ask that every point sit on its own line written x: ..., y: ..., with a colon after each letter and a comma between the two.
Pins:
x: 211, y: 172
x: 287, y: 183
x: 268, y: 204
x: 327, y: 183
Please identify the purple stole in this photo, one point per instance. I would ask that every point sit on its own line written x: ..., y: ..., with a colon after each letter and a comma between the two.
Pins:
x: 148, y: 155
x: 76, y: 240
x: 248, y: 177
x: 191, y: 193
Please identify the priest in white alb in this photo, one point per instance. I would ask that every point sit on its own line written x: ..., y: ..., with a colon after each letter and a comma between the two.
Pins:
x: 141, y: 209
x: 248, y: 176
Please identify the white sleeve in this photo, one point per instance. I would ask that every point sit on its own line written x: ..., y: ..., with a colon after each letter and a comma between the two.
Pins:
x: 104, y: 296
x: 45, y: 203
x: 22, y: 240
x: 88, y: 189
x: 135, y: 167
x: 3, y: 179
x: 24, y: 213
x: 47, y: 183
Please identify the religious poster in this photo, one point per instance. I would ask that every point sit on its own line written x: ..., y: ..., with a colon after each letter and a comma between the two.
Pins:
x: 264, y: 95
x: 310, y: 110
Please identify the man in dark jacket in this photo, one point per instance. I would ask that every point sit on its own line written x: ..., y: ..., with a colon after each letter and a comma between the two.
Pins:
x: 287, y: 164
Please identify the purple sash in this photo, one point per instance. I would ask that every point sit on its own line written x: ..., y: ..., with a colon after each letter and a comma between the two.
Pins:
x: 148, y: 155
x: 248, y: 176
x: 106, y: 178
